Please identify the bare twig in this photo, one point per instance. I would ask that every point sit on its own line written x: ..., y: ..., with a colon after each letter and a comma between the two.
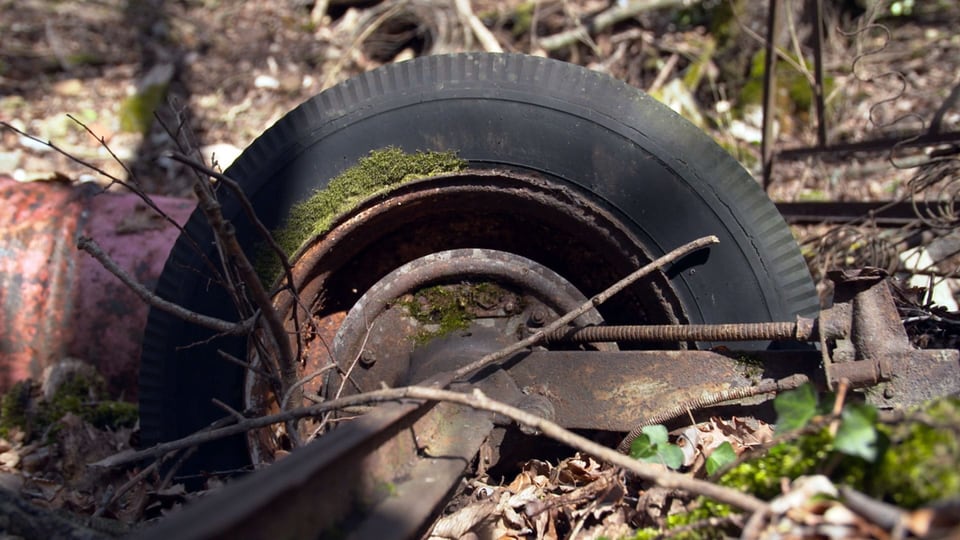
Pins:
x: 247, y: 365
x: 226, y: 327
x: 334, y: 72
x: 585, y: 307
x: 227, y: 240
x: 136, y: 479
x: 652, y: 472
x: 247, y: 209
x: 303, y: 381
x: 261, y: 229
x: 132, y: 187
x: 619, y: 12
x: 182, y: 138
x: 172, y: 472
x: 237, y: 415
x: 483, y: 34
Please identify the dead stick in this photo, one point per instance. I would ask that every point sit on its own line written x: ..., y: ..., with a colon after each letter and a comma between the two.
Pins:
x: 247, y: 209
x: 585, y: 307
x: 261, y: 229
x: 132, y: 187
x: 619, y: 12
x: 227, y: 238
x: 655, y: 473
x: 226, y: 327
x: 649, y: 471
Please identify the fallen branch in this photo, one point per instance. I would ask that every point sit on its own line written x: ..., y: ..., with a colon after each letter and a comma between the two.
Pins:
x: 225, y: 233
x: 619, y: 12
x: 652, y: 472
x: 247, y: 209
x: 261, y: 229
x: 225, y: 327
x: 483, y: 34
x: 395, y: 394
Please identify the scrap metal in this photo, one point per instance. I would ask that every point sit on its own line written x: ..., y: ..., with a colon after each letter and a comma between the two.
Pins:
x: 56, y: 302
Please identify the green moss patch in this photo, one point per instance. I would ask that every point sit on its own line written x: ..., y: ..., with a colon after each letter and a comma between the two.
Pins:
x: 22, y: 407
x: 378, y: 171
x: 794, y: 93
x: 136, y: 111
x: 448, y: 308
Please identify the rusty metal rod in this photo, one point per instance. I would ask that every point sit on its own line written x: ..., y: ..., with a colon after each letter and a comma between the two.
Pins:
x: 801, y: 330
x: 597, y: 300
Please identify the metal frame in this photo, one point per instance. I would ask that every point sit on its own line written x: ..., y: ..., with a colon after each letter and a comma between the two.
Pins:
x: 770, y: 155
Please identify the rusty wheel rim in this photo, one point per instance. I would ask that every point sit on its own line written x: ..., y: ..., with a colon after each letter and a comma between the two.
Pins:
x: 565, y: 231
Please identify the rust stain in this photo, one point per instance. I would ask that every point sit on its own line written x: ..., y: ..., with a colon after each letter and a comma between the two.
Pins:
x: 56, y: 301
x: 631, y: 392
x: 38, y: 223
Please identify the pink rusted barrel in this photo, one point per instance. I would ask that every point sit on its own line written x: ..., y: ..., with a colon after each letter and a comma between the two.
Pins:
x: 55, y: 300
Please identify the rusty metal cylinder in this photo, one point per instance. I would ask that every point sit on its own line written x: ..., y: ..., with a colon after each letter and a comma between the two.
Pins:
x: 56, y: 301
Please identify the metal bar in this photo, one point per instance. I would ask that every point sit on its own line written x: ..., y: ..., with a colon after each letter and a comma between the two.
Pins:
x: 605, y: 390
x: 883, y: 144
x: 883, y: 213
x: 352, y: 479
x: 767, y: 141
x: 818, y: 72
x: 800, y: 330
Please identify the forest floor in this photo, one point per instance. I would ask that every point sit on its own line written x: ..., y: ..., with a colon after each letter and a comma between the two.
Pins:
x: 227, y: 70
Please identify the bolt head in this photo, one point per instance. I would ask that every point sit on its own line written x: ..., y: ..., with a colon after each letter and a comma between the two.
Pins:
x: 537, y: 317
x: 368, y: 358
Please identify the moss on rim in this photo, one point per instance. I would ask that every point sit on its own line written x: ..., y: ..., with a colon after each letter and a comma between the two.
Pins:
x: 376, y: 172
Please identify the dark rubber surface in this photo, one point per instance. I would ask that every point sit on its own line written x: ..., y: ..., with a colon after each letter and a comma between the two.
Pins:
x: 666, y: 179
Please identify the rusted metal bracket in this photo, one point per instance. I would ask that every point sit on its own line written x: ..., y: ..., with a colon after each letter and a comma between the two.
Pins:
x: 824, y: 149
x: 870, y: 347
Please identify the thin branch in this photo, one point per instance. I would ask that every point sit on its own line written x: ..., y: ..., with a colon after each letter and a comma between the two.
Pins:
x: 261, y: 229
x: 652, y: 472
x: 483, y: 34
x: 247, y: 209
x: 226, y: 327
x: 246, y: 365
x: 237, y: 415
x: 136, y: 479
x: 585, y: 307
x: 303, y: 381
x: 132, y: 187
x: 227, y: 240
x: 619, y: 12
x: 358, y: 40
x: 181, y: 137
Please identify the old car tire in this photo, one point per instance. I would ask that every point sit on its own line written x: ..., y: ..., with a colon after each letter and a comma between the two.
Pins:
x: 668, y: 182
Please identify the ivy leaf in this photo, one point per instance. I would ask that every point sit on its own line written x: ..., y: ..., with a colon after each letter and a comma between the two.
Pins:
x: 670, y: 455
x: 721, y: 456
x: 652, y: 446
x: 642, y: 448
x: 657, y: 434
x: 857, y: 434
x: 795, y: 408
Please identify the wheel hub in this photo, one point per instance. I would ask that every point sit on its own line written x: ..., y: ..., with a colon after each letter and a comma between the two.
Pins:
x: 439, y: 272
